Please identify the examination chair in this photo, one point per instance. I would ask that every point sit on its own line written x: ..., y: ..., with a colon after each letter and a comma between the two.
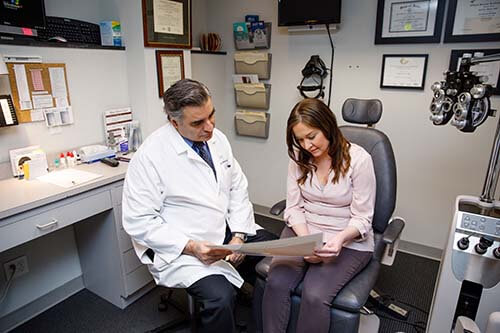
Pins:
x: 347, y: 305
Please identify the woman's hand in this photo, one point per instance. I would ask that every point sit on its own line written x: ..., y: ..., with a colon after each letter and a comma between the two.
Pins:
x: 332, y: 248
x: 313, y: 259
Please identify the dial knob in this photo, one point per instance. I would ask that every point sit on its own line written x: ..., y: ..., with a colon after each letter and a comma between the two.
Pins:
x: 463, y: 243
x: 496, y: 252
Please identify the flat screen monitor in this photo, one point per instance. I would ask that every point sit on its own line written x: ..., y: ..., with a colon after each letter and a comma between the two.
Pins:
x: 22, y: 13
x: 310, y: 12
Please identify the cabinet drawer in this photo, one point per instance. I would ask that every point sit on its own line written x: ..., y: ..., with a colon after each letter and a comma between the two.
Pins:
x: 46, y: 219
x: 130, y: 261
x: 137, y: 279
x: 125, y: 241
x: 116, y: 194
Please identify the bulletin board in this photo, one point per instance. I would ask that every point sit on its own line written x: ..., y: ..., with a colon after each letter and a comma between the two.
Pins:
x: 37, y: 77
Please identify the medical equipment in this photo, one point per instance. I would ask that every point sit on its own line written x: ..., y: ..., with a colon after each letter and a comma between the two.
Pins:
x: 468, y: 281
x: 94, y: 153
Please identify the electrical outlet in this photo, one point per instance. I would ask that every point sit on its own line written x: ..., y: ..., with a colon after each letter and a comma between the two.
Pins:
x: 21, y: 264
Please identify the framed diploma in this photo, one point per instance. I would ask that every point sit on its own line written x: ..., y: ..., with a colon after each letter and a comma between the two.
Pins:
x: 170, y: 68
x: 472, y: 21
x: 487, y: 69
x: 167, y: 23
x: 403, y: 71
x: 409, y: 21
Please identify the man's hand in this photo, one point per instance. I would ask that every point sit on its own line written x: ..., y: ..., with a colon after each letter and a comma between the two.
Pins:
x: 207, y: 255
x: 236, y: 258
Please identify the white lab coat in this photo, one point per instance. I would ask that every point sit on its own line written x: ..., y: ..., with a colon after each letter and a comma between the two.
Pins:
x: 171, y: 195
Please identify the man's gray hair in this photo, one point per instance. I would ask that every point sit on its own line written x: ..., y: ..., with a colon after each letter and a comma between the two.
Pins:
x: 184, y: 93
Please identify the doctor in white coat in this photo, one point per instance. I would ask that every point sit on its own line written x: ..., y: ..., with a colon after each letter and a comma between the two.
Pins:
x: 183, y: 191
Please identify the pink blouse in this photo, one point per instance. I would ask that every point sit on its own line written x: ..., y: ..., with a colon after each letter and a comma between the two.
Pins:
x: 333, y: 207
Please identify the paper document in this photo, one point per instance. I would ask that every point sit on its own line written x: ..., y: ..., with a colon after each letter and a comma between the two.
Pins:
x: 294, y: 246
x: 68, y: 177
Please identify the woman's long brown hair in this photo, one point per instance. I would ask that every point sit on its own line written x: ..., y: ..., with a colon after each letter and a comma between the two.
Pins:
x: 314, y: 113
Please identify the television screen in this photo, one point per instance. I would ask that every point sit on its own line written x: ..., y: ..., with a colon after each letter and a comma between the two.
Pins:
x: 23, y: 13
x: 301, y: 12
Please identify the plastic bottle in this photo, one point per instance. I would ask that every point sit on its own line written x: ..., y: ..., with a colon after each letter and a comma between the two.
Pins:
x: 62, y: 160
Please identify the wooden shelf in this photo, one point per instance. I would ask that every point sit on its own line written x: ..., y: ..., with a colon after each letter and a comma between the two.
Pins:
x: 209, y: 52
x: 14, y: 40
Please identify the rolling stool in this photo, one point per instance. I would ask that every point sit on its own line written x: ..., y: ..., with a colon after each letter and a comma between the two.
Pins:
x: 188, y: 316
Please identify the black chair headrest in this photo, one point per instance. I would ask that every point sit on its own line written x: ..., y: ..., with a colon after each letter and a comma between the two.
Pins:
x: 362, y: 111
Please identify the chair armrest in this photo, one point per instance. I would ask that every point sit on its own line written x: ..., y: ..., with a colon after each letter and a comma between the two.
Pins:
x: 278, y: 208
x: 393, y: 230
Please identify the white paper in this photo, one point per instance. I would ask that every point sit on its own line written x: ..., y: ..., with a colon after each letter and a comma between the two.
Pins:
x: 488, y: 69
x: 171, y: 68
x: 36, y: 79
x: 403, y: 71
x: 168, y: 17
x: 37, y: 115
x: 58, y: 81
x: 6, y: 111
x: 294, y: 246
x: 62, y: 102
x: 42, y: 101
x: 477, y: 17
x: 409, y: 18
x: 245, y: 78
x: 22, y: 87
x: 68, y: 177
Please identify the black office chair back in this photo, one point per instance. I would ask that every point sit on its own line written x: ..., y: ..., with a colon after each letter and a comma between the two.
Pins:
x: 376, y: 143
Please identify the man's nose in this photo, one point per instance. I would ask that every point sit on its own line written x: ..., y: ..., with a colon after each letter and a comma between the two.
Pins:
x: 209, y: 125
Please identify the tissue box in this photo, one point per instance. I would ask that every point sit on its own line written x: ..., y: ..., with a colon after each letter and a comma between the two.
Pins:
x: 111, y: 33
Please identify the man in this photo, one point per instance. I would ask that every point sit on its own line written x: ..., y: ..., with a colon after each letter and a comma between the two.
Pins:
x: 183, y: 191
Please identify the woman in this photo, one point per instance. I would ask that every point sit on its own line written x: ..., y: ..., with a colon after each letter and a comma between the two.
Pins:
x: 330, y: 189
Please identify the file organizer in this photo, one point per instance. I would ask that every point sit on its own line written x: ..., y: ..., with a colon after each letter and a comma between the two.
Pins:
x: 255, y: 124
x: 250, y: 40
x: 253, y: 63
x: 252, y: 95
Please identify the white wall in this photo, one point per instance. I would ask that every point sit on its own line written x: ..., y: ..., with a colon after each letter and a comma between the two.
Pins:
x: 435, y: 164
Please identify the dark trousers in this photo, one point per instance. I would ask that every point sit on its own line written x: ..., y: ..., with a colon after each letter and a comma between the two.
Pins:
x: 321, y: 283
x: 216, y: 295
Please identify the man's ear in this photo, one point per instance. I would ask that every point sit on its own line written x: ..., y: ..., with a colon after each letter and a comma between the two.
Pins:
x: 174, y: 123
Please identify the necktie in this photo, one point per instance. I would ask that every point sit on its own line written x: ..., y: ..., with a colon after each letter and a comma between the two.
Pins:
x: 205, y: 155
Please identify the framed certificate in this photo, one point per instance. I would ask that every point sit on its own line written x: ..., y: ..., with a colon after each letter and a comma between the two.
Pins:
x: 472, y: 21
x: 170, y: 68
x: 409, y: 21
x: 488, y: 69
x: 167, y: 23
x: 403, y: 71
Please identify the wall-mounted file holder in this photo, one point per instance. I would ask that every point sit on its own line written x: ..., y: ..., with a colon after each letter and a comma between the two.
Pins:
x: 252, y: 95
x: 255, y: 124
x: 248, y: 37
x: 253, y: 63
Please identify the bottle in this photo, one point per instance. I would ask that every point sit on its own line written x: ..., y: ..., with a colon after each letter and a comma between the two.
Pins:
x: 62, y: 160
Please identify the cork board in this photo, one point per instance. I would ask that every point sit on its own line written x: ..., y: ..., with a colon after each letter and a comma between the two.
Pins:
x: 38, y: 80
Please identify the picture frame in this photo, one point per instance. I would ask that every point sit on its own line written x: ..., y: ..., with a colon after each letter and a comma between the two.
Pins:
x: 404, y: 71
x: 409, y: 21
x: 490, y: 69
x: 469, y: 21
x: 169, y: 68
x: 167, y: 23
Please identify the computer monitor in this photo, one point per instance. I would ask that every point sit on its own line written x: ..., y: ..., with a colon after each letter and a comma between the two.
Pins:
x: 18, y: 14
x: 310, y: 12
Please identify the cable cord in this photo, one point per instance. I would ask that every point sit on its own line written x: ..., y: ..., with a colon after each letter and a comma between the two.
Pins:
x: 6, y: 290
x: 331, y: 64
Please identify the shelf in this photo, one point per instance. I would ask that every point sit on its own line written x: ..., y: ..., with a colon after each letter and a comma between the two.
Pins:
x: 209, y: 52
x: 10, y: 40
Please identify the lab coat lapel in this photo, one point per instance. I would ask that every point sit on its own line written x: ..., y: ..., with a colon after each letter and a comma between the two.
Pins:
x: 181, y: 147
x: 212, y: 145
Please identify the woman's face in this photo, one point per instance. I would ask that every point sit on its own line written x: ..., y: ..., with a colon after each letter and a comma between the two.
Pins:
x: 311, y: 139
